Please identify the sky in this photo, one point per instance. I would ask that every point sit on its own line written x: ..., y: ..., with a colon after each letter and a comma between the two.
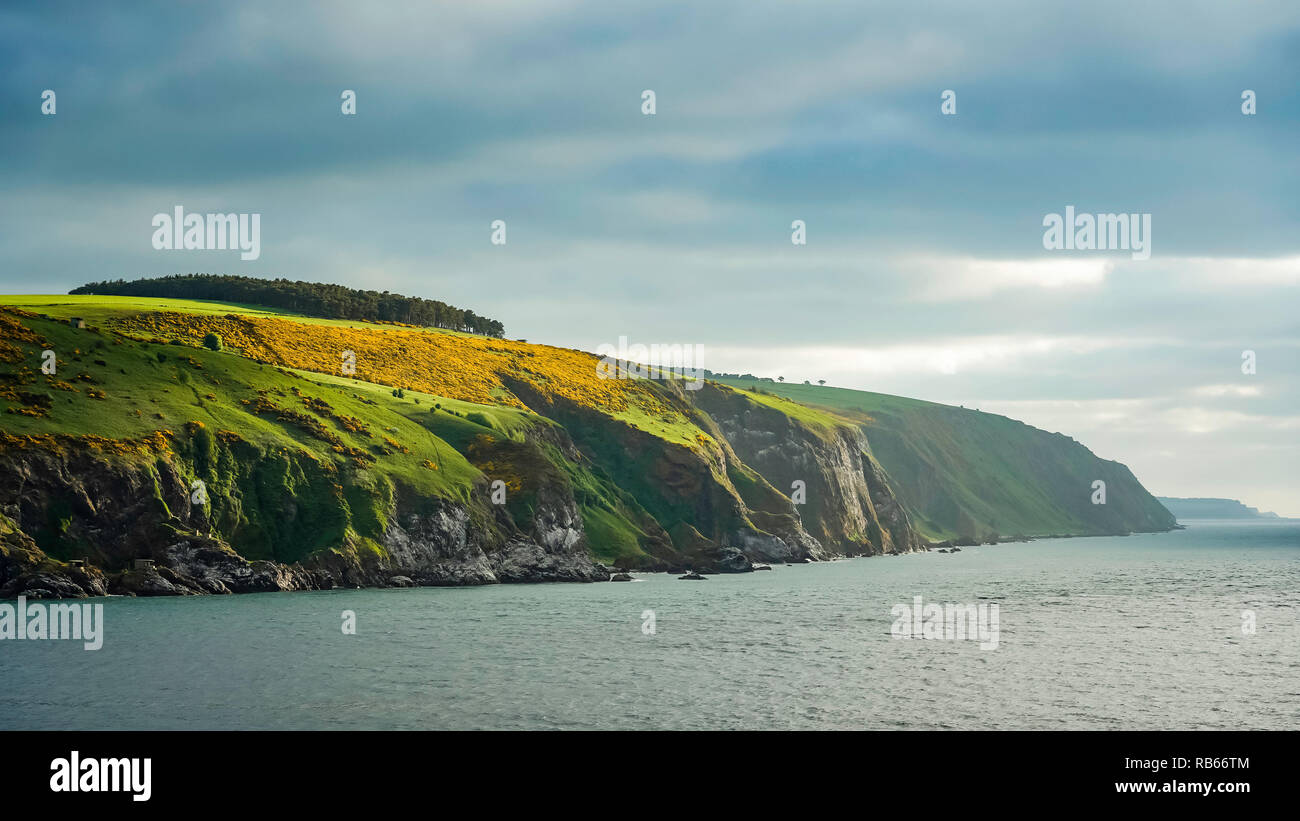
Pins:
x: 924, y: 271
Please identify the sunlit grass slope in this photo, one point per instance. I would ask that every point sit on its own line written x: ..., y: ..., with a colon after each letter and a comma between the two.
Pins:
x: 138, y: 395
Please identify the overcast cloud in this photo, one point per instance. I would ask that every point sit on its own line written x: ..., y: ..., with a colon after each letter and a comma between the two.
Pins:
x: 924, y: 273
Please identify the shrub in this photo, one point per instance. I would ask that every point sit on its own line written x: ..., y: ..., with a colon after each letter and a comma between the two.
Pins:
x: 212, y: 342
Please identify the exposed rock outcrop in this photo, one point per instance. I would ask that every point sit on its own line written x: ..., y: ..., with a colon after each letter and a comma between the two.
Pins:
x: 848, y: 506
x: 115, y: 511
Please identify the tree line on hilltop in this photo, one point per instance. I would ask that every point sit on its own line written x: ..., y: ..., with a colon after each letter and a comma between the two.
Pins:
x: 315, y: 299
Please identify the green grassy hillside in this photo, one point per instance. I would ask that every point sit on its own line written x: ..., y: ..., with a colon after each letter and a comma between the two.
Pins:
x: 964, y: 473
x: 342, y: 447
x: 647, y: 479
x: 391, y: 470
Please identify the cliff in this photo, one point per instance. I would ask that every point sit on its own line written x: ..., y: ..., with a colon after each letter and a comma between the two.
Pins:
x: 247, y: 469
x: 446, y: 459
x: 1212, y: 509
x: 963, y: 474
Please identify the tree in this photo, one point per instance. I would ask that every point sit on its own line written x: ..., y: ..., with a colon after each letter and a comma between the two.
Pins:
x: 821, y: 381
x: 780, y: 379
x: 212, y: 342
x: 310, y: 298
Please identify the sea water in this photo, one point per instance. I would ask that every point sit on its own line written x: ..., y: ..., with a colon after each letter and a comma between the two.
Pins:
x: 1198, y: 628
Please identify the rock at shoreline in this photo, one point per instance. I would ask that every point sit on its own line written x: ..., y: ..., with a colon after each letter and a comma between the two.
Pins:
x: 146, y: 583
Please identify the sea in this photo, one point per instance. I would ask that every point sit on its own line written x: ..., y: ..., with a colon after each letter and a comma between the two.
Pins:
x: 1191, y: 629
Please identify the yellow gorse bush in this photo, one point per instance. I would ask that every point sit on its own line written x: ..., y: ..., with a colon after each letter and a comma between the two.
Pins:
x: 158, y: 442
x: 468, y: 368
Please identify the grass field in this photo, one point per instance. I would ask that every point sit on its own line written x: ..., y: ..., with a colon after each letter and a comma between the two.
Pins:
x: 122, y: 388
x: 443, y: 363
x: 844, y: 401
x: 97, y: 309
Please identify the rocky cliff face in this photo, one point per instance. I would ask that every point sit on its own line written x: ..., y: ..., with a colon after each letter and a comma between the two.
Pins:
x: 847, y: 506
x: 60, y: 505
x: 280, y: 522
x: 714, y: 513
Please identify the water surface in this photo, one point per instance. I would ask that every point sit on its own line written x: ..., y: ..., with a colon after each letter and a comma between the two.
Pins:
x: 1142, y: 632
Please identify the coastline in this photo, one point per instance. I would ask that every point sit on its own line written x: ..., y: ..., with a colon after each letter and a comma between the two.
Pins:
x: 221, y: 572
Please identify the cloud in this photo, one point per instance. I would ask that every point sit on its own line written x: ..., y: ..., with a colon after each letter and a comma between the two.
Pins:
x: 924, y: 272
x: 989, y: 354
x: 959, y: 279
x: 1229, y: 272
x: 1226, y: 390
